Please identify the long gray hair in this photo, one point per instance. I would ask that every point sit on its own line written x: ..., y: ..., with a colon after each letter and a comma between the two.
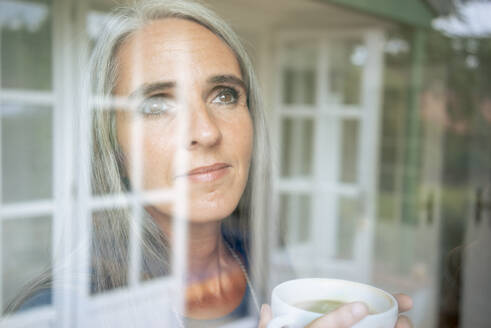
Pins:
x: 111, y: 228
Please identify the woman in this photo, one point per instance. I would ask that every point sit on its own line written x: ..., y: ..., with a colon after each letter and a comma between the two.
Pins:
x: 168, y: 62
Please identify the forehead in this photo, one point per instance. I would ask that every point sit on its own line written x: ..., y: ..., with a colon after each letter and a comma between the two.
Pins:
x: 164, y: 49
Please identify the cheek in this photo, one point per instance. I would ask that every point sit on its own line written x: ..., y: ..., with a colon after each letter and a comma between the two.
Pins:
x: 155, y: 156
x: 241, y: 137
x: 248, y: 139
x: 123, y: 132
x: 158, y: 157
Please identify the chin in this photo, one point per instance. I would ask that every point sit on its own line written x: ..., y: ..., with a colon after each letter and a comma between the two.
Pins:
x: 200, y: 213
x: 196, y: 213
x: 203, y: 208
x: 213, y: 206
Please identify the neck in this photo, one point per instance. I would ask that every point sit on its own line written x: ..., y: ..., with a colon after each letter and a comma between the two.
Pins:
x: 206, y: 249
x: 216, y: 282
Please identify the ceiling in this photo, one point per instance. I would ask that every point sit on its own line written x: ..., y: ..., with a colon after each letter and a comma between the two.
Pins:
x: 257, y: 15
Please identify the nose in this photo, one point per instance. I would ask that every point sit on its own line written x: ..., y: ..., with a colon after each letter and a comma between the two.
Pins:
x: 203, y: 128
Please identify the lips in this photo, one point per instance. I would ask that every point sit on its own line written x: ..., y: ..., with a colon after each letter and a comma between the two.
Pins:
x: 208, y: 169
x: 207, y: 173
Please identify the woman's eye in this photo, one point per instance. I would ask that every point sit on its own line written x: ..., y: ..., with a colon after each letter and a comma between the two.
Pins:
x: 226, y: 96
x: 155, y: 106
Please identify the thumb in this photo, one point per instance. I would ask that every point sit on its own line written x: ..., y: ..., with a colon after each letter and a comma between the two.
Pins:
x: 343, y: 317
x: 265, y: 316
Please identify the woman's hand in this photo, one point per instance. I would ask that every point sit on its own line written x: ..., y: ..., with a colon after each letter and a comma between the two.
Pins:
x: 343, y: 317
x: 347, y: 315
x: 405, y: 304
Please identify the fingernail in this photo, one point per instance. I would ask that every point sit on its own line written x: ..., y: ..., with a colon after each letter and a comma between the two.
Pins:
x: 359, y: 310
x: 263, y: 308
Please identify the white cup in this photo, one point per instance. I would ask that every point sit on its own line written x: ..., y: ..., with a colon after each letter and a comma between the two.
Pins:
x: 382, y: 304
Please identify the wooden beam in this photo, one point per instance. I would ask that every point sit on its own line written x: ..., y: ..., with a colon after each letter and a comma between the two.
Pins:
x: 416, y: 13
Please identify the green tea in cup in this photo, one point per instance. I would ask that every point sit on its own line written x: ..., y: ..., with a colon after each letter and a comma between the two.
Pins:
x: 319, y: 306
x: 323, y: 306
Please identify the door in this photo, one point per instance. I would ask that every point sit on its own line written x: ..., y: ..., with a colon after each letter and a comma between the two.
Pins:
x: 326, y: 117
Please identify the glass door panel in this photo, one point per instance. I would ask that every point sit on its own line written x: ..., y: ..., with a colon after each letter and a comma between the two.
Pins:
x: 26, y: 254
x: 346, y: 61
x: 350, y: 223
x: 295, y: 211
x: 296, y: 148
x: 349, y: 159
x: 299, y: 74
x: 26, y: 45
x: 27, y: 148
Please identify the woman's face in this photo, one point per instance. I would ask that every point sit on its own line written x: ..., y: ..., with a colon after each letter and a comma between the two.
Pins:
x: 175, y: 67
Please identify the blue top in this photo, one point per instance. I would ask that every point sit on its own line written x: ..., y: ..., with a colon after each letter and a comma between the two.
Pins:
x: 40, y: 298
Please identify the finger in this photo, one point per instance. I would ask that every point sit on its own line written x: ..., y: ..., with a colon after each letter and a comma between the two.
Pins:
x: 343, y: 317
x: 265, y: 316
x: 404, y: 301
x: 403, y: 322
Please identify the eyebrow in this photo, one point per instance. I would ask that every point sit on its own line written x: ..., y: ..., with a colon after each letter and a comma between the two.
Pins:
x: 148, y: 88
x: 231, y: 79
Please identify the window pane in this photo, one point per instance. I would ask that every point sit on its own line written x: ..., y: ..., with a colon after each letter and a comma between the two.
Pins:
x: 26, y: 152
x: 299, y: 73
x: 95, y: 22
x: 349, y: 152
x: 348, y: 220
x: 294, y: 219
x: 26, y: 253
x: 297, y: 143
x: 109, y: 253
x: 346, y: 60
x: 26, y: 44
x: 299, y: 86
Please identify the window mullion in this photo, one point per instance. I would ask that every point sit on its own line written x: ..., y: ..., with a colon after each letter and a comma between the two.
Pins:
x: 27, y: 96
x: 28, y: 209
x: 65, y: 230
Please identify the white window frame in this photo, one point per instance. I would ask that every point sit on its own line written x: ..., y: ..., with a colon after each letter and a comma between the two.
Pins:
x: 324, y: 231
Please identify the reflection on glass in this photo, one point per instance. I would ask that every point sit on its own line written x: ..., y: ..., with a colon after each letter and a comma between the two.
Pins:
x: 26, y: 44
x: 110, y: 246
x: 297, y: 143
x: 299, y: 86
x: 110, y: 253
x: 26, y: 152
x: 26, y: 253
x: 346, y: 61
x: 349, y: 157
x: 349, y: 216
x: 299, y: 73
x: 95, y: 22
x: 294, y: 219
x: 387, y: 202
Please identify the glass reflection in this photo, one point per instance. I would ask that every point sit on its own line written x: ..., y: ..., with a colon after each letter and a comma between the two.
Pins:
x: 26, y: 152
x: 346, y: 61
x: 26, y: 253
x: 294, y: 219
x: 299, y: 73
x: 26, y: 44
x: 297, y: 146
